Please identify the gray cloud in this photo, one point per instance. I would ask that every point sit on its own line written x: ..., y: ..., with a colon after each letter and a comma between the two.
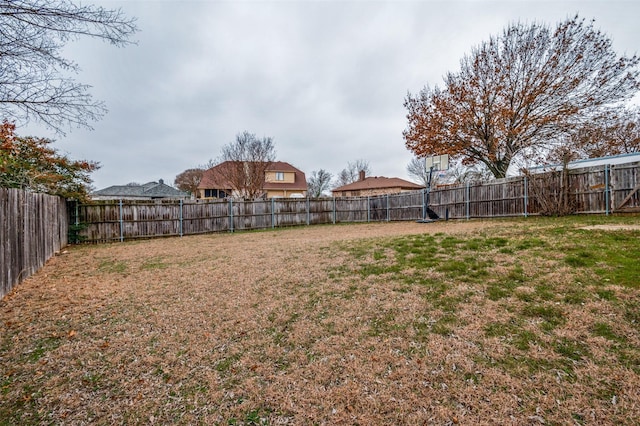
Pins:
x: 326, y: 80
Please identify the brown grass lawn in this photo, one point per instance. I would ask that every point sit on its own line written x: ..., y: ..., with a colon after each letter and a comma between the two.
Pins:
x: 516, y: 322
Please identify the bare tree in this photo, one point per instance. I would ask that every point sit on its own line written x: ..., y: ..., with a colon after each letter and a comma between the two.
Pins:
x: 189, y: 180
x: 460, y: 173
x: 248, y: 158
x: 518, y: 92
x: 34, y: 82
x: 209, y: 164
x: 318, y: 183
x: 351, y: 173
x: 613, y: 132
x: 552, y: 189
x: 417, y: 169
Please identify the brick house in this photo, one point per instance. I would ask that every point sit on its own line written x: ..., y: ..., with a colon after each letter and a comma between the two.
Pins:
x: 375, y: 185
x: 281, y: 180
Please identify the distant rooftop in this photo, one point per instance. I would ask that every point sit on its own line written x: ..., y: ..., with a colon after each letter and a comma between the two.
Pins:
x: 378, y: 182
x: 149, y: 190
x: 590, y: 162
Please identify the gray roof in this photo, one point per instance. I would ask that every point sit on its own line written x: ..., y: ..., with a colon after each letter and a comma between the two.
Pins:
x: 147, y: 190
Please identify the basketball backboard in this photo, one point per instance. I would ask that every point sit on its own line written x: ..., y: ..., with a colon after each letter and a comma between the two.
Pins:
x: 438, y: 162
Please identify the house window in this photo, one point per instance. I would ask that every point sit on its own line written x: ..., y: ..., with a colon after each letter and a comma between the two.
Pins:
x: 214, y: 193
x: 280, y: 176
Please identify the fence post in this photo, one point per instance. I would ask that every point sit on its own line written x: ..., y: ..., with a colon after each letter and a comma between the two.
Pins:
x: 334, y: 210
x: 181, y: 233
x: 468, y: 196
x: 273, y: 214
x: 368, y: 209
x: 121, y: 223
x: 606, y: 189
x: 526, y: 197
x: 424, y: 204
x: 388, y: 218
x: 308, y: 211
x: 230, y: 215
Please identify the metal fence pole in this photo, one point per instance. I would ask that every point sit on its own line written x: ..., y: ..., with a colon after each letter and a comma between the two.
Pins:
x: 468, y: 196
x: 606, y: 189
x: 308, y: 211
x: 181, y: 218
x: 121, y: 223
x: 334, y: 210
x: 388, y: 218
x: 273, y: 214
x: 368, y: 210
x: 230, y: 215
x: 526, y: 197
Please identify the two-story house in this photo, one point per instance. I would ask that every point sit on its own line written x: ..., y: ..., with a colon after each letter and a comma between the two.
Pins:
x: 280, y: 180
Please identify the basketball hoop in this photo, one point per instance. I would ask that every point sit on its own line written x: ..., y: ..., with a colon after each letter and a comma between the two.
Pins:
x: 437, y: 162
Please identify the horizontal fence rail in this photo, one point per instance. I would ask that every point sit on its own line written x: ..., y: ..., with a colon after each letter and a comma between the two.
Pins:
x: 601, y: 189
x: 32, y: 228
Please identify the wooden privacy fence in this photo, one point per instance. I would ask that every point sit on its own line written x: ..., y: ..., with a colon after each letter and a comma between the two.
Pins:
x: 602, y: 189
x: 599, y: 189
x: 122, y: 219
x: 32, y: 228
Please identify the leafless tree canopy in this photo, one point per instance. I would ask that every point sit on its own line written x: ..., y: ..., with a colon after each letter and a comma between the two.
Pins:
x: 351, y: 173
x: 417, y: 169
x: 519, y: 91
x: 34, y: 75
x: 318, y: 183
x: 249, y: 158
x: 613, y: 132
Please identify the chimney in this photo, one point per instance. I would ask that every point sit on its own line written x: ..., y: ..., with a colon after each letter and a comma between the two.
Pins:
x: 361, y: 175
x: 161, y: 182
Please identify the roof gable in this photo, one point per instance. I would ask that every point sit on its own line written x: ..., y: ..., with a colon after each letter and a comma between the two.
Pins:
x: 214, y: 178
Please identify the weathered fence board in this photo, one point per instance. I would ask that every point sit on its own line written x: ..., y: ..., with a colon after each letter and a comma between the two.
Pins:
x: 601, y: 189
x: 625, y: 178
x: 32, y: 228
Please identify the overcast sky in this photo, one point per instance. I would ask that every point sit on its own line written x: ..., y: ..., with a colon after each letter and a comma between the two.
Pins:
x: 325, y: 79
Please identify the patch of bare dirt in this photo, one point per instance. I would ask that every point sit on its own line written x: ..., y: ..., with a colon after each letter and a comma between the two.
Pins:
x: 613, y: 227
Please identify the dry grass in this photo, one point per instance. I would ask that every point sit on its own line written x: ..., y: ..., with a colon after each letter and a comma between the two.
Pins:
x: 324, y: 325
